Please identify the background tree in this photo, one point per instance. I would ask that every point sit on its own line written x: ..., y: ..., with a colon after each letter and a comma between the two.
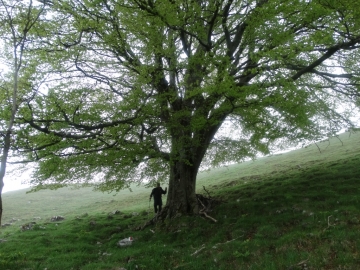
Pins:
x: 153, y: 90
x: 18, y: 76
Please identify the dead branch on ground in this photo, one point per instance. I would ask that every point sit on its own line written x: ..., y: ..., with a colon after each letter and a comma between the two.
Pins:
x: 197, y: 251
x: 206, y: 204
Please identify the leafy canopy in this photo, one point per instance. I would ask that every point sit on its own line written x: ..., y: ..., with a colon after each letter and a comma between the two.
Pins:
x: 138, y: 86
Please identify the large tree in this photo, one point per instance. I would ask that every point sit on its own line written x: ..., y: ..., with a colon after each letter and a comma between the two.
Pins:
x: 155, y: 89
x: 19, y: 79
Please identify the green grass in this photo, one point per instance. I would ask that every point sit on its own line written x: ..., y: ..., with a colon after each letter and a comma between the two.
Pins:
x: 297, y: 210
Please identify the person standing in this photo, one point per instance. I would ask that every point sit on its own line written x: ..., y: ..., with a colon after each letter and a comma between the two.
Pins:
x: 157, y: 193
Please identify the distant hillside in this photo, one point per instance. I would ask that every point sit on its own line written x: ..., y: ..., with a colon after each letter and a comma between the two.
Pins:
x: 72, y: 202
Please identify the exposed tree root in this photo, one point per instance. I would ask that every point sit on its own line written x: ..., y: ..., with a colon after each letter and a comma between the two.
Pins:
x: 158, y: 217
x: 206, y: 205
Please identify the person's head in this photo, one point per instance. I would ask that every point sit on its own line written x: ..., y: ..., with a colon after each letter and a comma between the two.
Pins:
x: 157, y: 184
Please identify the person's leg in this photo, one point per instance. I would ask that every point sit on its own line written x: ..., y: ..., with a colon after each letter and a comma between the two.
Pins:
x: 160, y: 206
x: 155, y: 207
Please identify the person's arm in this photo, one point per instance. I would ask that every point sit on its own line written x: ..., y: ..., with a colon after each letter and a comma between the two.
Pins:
x: 164, y: 191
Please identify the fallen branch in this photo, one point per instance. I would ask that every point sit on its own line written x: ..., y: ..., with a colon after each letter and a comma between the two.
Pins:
x: 329, y: 225
x: 197, y: 251
x: 215, y: 246
x: 302, y: 264
x: 206, y: 205
x: 206, y: 215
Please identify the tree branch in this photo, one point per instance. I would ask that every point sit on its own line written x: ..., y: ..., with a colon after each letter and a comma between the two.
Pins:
x: 330, y: 52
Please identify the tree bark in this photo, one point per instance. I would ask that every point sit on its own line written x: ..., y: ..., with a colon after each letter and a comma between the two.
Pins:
x: 181, y: 197
x: 4, y: 157
x: 1, y: 204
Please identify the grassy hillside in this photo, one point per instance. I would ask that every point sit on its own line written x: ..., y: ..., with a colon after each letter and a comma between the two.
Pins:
x: 297, y: 210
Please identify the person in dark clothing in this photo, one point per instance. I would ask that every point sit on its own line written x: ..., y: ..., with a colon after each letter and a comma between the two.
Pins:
x: 157, y: 192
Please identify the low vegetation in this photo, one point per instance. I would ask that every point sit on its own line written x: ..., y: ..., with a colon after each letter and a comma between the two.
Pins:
x: 297, y: 210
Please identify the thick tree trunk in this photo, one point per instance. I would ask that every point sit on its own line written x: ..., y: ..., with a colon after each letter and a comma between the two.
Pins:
x: 181, y: 197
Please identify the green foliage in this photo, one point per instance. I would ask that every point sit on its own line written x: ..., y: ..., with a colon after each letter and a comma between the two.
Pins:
x: 136, y: 87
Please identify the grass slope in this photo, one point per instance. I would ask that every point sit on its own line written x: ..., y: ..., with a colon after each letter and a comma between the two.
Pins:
x: 297, y: 210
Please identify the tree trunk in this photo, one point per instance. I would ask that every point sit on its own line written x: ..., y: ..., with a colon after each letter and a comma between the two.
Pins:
x: 181, y: 197
x: 1, y: 204
x: 185, y: 159
x: 5, y: 153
